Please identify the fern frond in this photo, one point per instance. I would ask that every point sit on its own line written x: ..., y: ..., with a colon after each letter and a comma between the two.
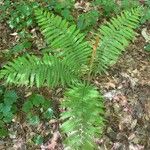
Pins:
x: 84, y: 118
x: 31, y: 70
x: 115, y: 36
x: 66, y: 41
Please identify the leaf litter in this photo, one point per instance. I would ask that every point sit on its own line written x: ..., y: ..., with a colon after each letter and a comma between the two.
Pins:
x: 126, y: 89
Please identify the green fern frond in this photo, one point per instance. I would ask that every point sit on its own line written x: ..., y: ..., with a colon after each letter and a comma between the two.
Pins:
x: 84, y: 117
x: 115, y: 36
x: 66, y: 41
x: 31, y: 70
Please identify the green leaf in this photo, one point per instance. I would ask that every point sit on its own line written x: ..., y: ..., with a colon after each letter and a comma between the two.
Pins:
x: 1, y: 116
x: 29, y: 22
x: 1, y: 107
x: 38, y: 139
x: 6, y: 109
x: 48, y: 114
x: 10, y: 97
x: 17, y: 19
x: 33, y: 120
x: 84, y: 118
x: 3, y: 132
x: 8, y: 117
x: 27, y: 106
x: 46, y: 104
x: 14, y: 109
x: 66, y: 13
x: 88, y: 19
x: 147, y: 48
x: 114, y: 37
x: 37, y: 99
x: 11, y: 24
x: 2, y: 124
x: 21, y: 46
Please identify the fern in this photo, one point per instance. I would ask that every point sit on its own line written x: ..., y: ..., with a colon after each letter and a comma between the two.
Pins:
x: 68, y: 53
x: 71, y: 50
x: 64, y: 64
x: 31, y: 70
x: 66, y: 41
x: 115, y: 36
x: 84, y: 117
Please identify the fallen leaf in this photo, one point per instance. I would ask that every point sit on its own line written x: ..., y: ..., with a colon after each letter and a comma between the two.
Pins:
x: 146, y: 35
x: 53, y: 142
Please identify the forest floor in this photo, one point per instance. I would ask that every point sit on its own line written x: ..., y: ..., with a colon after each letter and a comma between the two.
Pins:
x: 127, y: 92
x: 126, y: 88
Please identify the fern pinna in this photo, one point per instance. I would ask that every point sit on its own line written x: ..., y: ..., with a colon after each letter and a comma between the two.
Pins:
x: 68, y: 52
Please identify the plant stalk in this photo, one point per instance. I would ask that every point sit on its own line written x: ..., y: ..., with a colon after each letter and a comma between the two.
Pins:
x: 95, y: 45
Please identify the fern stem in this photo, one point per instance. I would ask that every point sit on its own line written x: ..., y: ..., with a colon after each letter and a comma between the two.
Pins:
x: 95, y: 45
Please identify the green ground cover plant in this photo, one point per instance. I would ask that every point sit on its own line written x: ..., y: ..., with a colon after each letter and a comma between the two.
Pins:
x: 68, y: 52
x: 8, y: 109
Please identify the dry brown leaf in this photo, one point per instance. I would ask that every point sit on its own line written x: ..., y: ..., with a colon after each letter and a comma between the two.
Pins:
x: 53, y: 142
